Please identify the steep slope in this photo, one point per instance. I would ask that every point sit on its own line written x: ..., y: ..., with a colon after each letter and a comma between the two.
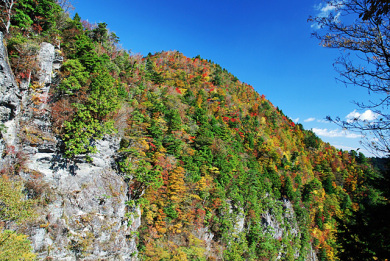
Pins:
x: 162, y: 157
x: 81, y: 208
x: 227, y: 158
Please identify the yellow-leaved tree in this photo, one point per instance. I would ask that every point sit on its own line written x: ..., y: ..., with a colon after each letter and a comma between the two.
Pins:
x: 14, y: 208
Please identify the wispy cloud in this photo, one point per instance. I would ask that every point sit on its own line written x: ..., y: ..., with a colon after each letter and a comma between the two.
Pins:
x: 336, y: 133
x: 324, y: 10
x: 344, y: 147
x: 322, y: 121
x: 295, y: 120
x: 357, y: 149
x: 368, y: 115
x: 309, y: 119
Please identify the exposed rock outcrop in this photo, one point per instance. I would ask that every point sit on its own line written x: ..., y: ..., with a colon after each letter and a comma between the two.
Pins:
x: 10, y: 99
x: 9, y: 92
x: 86, y: 216
x: 278, y: 227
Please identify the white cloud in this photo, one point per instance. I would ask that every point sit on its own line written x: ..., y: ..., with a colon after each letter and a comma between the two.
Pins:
x: 309, y: 119
x: 295, y: 120
x: 353, y: 115
x: 368, y: 115
x: 336, y: 133
x: 326, y: 10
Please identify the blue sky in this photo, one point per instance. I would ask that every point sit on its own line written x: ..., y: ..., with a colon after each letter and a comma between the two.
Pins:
x: 266, y: 44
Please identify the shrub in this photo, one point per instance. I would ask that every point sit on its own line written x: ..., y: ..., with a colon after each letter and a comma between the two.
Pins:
x: 14, y: 246
x: 14, y: 207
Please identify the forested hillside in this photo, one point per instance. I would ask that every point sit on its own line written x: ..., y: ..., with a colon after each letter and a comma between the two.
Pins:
x: 218, y: 171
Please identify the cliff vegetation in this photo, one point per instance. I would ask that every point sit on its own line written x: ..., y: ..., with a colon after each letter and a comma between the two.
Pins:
x: 218, y: 171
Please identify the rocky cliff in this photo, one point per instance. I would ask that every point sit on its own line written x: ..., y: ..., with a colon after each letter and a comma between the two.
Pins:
x: 86, y: 216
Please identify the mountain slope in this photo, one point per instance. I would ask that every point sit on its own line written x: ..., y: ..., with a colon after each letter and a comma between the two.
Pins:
x: 169, y: 152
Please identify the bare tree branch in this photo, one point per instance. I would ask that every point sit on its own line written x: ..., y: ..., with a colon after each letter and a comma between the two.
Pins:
x: 361, y: 28
x: 66, y: 5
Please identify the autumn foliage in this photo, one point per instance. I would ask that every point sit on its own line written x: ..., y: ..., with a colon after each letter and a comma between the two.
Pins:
x: 218, y: 171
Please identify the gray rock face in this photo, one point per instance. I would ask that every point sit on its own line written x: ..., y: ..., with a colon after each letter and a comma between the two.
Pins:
x: 280, y: 222
x: 10, y: 101
x: 46, y: 58
x: 207, y: 236
x: 9, y: 91
x: 86, y: 216
x: 312, y: 255
x: 87, y: 219
x: 275, y: 227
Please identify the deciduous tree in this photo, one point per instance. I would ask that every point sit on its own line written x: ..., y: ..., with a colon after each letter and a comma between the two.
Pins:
x: 66, y: 5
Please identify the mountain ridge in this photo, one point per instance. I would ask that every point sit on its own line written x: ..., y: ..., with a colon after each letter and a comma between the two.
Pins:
x: 166, y: 157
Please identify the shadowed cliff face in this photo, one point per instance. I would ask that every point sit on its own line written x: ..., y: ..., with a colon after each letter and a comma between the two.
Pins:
x: 85, y: 215
x: 9, y: 93
x: 10, y: 104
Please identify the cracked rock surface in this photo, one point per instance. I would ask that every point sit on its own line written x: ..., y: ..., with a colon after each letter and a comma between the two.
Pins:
x: 86, y: 216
